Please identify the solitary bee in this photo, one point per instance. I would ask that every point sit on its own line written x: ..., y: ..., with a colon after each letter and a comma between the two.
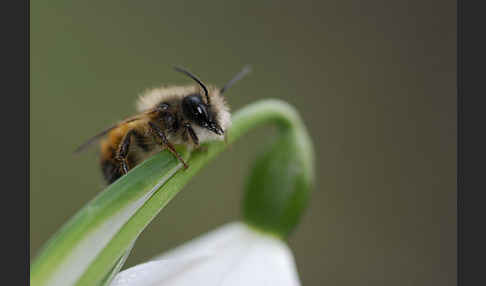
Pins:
x: 168, y: 116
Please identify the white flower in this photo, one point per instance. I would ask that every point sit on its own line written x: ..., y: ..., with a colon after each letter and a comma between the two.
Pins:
x: 233, y: 254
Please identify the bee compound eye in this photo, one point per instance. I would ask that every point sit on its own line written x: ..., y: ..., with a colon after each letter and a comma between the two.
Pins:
x: 201, y: 110
x: 195, y: 109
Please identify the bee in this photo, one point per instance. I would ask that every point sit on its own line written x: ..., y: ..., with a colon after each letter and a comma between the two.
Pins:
x: 168, y: 116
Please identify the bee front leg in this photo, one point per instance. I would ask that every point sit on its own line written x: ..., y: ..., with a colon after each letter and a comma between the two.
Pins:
x: 122, y: 152
x: 192, y: 134
x: 159, y: 133
x: 189, y: 130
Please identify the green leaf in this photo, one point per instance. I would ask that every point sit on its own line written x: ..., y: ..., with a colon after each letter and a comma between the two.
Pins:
x: 90, y: 248
x: 70, y: 251
x: 117, y: 267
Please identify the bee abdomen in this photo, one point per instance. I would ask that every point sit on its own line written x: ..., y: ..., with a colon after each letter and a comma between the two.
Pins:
x: 142, y: 143
x: 111, y: 170
x: 111, y: 167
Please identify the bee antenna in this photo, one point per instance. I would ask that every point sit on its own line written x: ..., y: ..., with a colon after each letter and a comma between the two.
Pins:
x: 189, y: 74
x: 246, y: 69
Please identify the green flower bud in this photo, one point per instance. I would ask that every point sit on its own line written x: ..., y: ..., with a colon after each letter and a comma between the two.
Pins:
x: 278, y: 188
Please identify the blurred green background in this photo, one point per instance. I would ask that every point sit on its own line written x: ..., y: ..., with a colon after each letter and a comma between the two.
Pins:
x: 374, y: 81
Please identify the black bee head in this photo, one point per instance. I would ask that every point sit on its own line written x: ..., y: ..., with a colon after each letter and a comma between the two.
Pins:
x: 200, y: 113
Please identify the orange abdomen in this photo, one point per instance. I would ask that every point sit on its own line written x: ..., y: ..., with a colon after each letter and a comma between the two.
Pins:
x: 109, y: 145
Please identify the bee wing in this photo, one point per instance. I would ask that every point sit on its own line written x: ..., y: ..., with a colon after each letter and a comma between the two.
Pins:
x: 93, y: 139
x: 98, y: 136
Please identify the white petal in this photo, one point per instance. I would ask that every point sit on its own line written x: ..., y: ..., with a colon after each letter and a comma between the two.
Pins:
x: 230, y: 255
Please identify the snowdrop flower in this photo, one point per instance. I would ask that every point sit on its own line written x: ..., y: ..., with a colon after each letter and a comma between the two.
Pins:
x: 233, y: 254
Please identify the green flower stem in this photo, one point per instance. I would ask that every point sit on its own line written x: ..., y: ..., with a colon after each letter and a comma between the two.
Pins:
x: 140, y: 183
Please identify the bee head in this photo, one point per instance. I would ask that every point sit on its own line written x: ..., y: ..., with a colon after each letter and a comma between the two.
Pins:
x: 200, y: 113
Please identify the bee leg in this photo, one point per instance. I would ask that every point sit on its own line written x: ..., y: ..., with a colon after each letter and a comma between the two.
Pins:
x: 188, y: 129
x: 122, y: 152
x: 195, y: 139
x: 160, y: 134
x: 185, y: 137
